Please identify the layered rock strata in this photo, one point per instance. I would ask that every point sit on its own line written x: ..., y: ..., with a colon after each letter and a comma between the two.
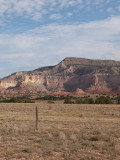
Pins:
x: 72, y: 75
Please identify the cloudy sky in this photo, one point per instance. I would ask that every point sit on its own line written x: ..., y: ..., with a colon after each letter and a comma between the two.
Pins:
x: 35, y: 33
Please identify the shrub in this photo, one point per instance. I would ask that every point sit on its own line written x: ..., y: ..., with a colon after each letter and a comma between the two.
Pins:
x: 16, y: 100
x: 118, y: 99
x: 91, y: 101
x: 88, y: 101
x: 103, y: 100
x: 68, y: 101
x: 78, y: 101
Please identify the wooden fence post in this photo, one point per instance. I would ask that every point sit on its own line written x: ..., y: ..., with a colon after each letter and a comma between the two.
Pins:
x: 36, y: 118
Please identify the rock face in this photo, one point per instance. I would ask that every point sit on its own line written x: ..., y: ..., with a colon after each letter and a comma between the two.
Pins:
x: 77, y: 75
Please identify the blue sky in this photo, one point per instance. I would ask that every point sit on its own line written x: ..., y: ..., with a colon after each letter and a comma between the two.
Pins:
x: 36, y: 33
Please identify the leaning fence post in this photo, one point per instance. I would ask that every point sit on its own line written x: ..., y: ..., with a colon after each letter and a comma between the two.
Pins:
x: 36, y: 118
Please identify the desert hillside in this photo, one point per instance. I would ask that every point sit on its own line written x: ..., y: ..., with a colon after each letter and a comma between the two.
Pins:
x: 77, y: 75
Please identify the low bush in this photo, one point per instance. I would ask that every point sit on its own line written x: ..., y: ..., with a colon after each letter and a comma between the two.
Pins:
x: 103, y: 100
x: 16, y: 100
x: 68, y: 101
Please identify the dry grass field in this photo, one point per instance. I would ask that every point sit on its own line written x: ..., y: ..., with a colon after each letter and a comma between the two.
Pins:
x: 66, y: 132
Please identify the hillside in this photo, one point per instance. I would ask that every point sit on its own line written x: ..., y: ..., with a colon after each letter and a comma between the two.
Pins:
x: 76, y: 75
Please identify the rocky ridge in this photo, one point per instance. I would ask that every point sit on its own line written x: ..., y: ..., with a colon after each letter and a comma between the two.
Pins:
x: 72, y: 75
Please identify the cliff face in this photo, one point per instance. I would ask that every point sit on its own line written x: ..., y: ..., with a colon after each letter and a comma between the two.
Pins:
x: 70, y: 75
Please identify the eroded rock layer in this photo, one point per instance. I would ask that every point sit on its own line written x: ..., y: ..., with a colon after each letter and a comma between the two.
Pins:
x: 75, y: 75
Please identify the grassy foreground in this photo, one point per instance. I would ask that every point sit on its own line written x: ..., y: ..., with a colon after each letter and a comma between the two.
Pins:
x: 66, y: 132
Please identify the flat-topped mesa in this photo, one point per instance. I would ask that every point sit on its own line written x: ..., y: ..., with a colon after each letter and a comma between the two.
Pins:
x: 84, y: 61
x: 76, y: 75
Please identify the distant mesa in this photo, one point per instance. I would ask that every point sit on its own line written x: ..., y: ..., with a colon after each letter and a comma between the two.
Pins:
x: 70, y: 76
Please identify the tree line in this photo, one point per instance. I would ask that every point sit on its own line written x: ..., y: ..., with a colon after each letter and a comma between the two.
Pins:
x: 69, y: 99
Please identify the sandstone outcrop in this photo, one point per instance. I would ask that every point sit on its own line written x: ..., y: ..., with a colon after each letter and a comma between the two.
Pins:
x: 72, y: 75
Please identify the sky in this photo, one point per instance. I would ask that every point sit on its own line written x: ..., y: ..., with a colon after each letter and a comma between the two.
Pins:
x: 37, y: 33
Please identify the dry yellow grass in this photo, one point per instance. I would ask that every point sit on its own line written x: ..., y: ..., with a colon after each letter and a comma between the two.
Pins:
x: 66, y: 132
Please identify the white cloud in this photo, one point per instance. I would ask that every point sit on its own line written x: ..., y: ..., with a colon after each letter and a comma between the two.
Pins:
x: 48, y: 45
x: 16, y: 56
x: 36, y: 9
x: 118, y: 8
x: 99, y: 1
x: 69, y: 14
x: 55, y: 16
